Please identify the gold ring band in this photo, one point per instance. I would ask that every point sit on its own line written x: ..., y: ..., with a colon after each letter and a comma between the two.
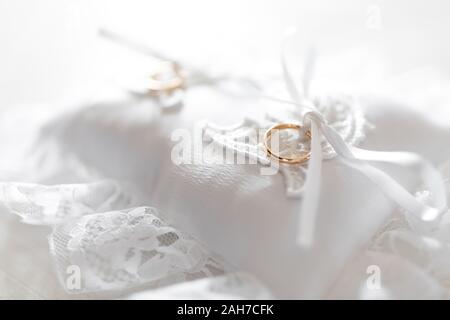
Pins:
x: 290, y: 160
x: 157, y: 86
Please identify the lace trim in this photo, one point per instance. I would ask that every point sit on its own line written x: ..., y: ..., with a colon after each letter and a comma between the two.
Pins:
x: 127, y: 248
x: 41, y: 204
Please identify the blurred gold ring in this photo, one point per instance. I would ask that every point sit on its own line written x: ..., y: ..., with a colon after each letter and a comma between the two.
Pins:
x: 290, y: 160
x: 157, y: 86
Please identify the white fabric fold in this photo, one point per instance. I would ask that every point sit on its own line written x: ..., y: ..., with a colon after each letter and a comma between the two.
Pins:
x: 233, y: 285
x: 358, y: 160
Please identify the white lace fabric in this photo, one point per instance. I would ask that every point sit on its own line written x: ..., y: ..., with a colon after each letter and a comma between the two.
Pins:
x: 126, y: 248
x: 42, y: 204
x: 112, y: 250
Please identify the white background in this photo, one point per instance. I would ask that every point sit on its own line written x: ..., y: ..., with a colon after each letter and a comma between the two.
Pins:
x: 50, y: 50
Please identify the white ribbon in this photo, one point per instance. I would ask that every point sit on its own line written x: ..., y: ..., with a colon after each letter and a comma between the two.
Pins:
x: 357, y: 158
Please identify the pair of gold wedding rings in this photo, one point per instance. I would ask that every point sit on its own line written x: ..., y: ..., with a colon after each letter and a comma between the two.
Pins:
x: 298, y: 159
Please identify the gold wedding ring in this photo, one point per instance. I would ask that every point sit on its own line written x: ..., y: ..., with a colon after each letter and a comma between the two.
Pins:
x: 289, y: 160
x: 158, y: 84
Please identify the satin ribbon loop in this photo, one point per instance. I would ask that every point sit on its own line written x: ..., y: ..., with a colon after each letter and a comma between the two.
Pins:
x: 315, y: 116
